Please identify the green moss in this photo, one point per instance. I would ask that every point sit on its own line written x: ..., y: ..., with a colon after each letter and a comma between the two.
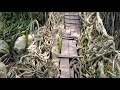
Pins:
x: 59, y: 45
x: 4, y: 48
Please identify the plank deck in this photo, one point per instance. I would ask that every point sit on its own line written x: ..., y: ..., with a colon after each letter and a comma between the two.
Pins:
x: 72, y: 27
x: 64, y: 66
x: 72, y: 48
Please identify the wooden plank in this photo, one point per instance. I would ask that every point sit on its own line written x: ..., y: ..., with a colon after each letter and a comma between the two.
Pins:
x: 64, y: 50
x: 68, y: 43
x: 75, y: 33
x: 69, y: 21
x: 74, y: 13
x: 66, y: 56
x: 67, y: 32
x: 72, y: 51
x: 64, y: 62
x: 64, y: 66
x: 67, y: 38
x: 73, y: 26
x: 71, y: 13
x: 66, y: 18
x: 72, y: 48
x: 72, y: 17
x: 75, y: 37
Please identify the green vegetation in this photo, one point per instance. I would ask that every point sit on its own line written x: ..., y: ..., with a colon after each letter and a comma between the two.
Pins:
x: 16, y: 22
x: 59, y: 44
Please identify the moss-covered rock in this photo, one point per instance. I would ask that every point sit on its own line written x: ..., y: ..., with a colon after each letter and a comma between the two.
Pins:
x: 4, y: 48
x: 3, y: 70
x: 20, y: 43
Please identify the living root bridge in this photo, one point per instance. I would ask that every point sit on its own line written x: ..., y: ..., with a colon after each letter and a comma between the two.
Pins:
x: 38, y: 62
x: 100, y: 59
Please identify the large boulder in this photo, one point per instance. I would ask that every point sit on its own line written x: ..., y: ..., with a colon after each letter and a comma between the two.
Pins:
x: 20, y: 43
x: 4, y: 48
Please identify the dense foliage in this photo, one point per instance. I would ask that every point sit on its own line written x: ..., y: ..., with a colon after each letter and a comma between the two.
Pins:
x: 14, y: 22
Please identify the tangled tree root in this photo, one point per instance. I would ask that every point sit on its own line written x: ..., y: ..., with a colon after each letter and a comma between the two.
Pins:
x: 32, y: 66
x: 38, y: 62
x: 100, y: 59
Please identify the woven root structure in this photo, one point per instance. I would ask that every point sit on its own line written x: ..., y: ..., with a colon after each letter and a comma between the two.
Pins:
x: 99, y: 59
x: 37, y: 63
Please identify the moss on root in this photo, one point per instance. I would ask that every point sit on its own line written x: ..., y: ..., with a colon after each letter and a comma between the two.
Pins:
x: 59, y: 44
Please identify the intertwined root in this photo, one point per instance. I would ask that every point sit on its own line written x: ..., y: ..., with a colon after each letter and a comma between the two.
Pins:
x: 33, y: 66
x: 38, y: 62
x: 100, y: 59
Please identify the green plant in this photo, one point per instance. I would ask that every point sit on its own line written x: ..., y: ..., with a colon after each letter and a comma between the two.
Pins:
x: 15, y: 22
x: 59, y: 45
